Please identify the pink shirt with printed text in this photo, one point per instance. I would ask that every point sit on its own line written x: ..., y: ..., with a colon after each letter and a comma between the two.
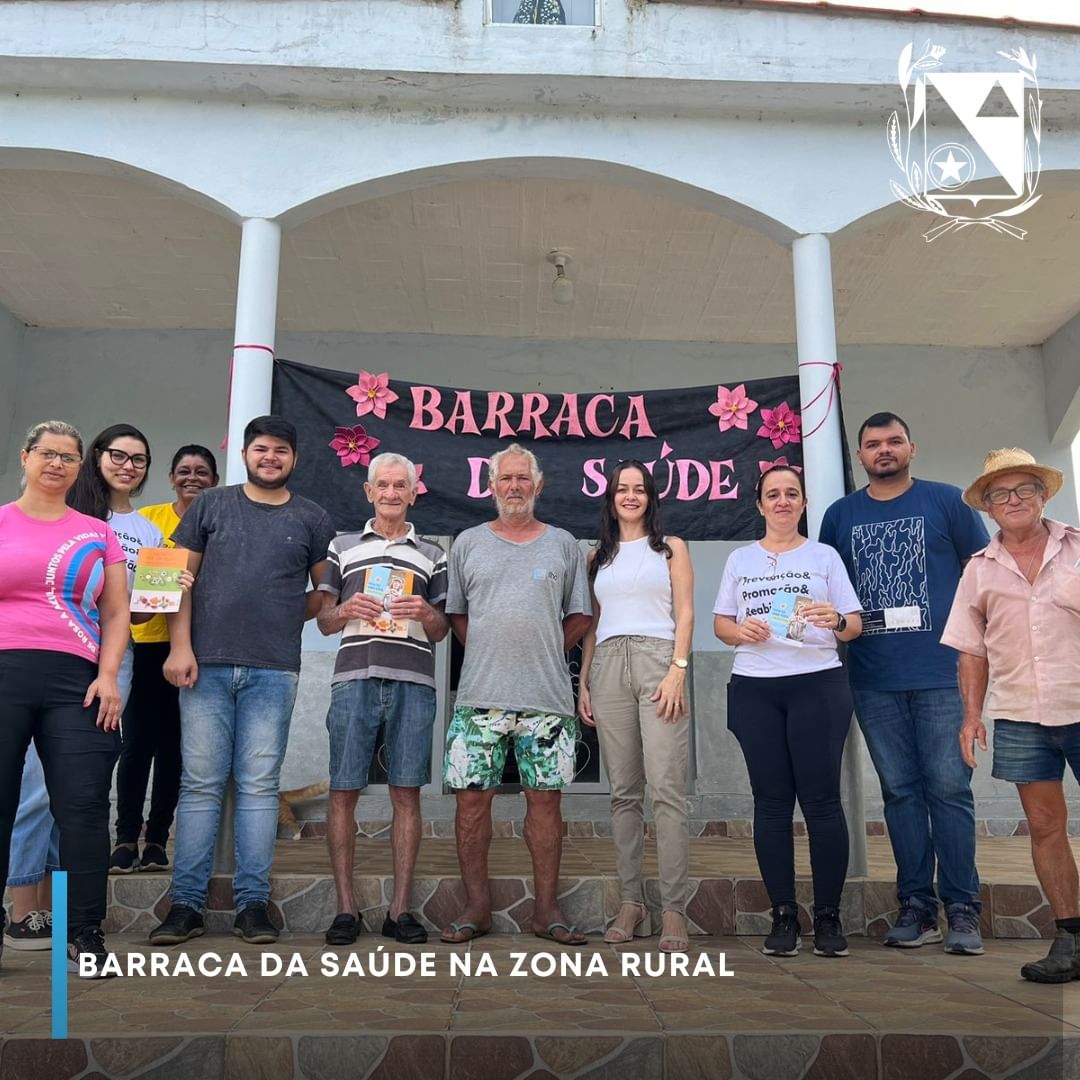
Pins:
x: 1029, y: 634
x: 51, y: 575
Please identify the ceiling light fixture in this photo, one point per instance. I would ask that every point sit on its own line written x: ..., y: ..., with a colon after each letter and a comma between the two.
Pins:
x: 562, y: 288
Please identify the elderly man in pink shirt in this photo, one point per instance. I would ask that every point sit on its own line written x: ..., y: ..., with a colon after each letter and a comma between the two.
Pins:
x: 1016, y: 624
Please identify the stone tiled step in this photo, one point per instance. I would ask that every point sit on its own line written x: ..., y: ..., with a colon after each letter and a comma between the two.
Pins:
x: 444, y: 1056
x: 727, y: 896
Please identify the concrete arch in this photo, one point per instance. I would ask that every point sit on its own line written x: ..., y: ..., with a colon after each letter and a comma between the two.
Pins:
x: 557, y: 168
x: 52, y: 160
x: 1051, y: 181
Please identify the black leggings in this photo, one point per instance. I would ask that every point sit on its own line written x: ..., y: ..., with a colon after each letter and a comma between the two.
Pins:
x: 792, y: 731
x: 151, y: 734
x: 41, y: 695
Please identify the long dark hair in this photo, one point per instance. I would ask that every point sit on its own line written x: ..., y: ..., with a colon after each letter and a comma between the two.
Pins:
x: 90, y: 494
x: 607, y: 546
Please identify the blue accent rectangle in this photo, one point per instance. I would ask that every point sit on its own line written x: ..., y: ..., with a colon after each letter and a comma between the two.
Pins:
x: 59, y: 954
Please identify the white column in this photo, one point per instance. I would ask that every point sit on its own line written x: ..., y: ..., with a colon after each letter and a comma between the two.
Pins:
x: 823, y: 462
x: 815, y: 330
x: 249, y: 396
x: 253, y: 342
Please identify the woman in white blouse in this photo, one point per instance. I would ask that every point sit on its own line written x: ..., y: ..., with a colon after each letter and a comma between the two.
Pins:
x: 632, y: 690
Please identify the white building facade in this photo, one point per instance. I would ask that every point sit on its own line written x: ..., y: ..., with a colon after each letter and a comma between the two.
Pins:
x: 378, y: 184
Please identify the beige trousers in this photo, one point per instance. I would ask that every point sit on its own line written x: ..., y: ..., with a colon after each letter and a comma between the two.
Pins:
x: 637, y: 749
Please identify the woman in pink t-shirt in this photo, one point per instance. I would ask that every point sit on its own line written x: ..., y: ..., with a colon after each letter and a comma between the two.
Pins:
x: 63, y: 633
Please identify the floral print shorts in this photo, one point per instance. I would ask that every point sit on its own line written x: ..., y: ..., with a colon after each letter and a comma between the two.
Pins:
x: 477, y: 742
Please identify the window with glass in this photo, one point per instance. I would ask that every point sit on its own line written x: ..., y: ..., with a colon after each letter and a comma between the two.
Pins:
x: 544, y: 12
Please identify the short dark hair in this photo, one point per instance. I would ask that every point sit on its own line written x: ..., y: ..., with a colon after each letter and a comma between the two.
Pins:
x: 883, y: 419
x: 194, y: 450
x: 275, y: 426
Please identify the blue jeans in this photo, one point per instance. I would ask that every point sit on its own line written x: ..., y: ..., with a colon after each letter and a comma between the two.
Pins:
x: 913, y: 738
x: 357, y: 708
x: 234, y: 719
x: 35, y: 837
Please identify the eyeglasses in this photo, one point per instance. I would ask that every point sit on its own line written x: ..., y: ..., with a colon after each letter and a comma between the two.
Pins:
x: 118, y: 457
x: 1000, y: 496
x: 69, y: 460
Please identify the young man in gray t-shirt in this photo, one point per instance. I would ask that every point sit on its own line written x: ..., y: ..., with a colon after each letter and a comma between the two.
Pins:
x: 235, y: 656
x: 518, y: 599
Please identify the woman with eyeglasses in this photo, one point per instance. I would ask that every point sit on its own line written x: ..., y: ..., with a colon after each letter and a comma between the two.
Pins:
x: 63, y: 633
x: 152, y: 716
x: 784, y: 603
x: 632, y: 689
x: 115, y: 469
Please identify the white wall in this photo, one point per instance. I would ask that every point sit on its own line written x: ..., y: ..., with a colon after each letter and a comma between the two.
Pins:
x: 11, y: 355
x: 959, y: 402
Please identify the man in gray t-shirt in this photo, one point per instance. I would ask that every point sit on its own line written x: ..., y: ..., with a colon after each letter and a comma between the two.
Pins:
x: 518, y: 599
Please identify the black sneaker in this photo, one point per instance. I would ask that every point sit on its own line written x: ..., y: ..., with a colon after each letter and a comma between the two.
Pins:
x: 32, y: 934
x: 123, y: 860
x: 829, y: 939
x: 181, y: 924
x: 89, y: 943
x: 153, y: 858
x: 343, y: 930
x: 405, y: 928
x: 783, y: 939
x: 1060, y: 965
x: 253, y: 925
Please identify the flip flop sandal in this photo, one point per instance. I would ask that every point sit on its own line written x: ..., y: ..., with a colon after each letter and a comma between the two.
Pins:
x: 548, y: 934
x: 460, y: 927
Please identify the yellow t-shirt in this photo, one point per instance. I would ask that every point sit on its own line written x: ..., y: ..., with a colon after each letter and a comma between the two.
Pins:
x: 166, y: 519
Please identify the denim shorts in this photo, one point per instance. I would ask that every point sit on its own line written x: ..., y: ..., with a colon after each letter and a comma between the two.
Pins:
x: 1026, y: 753
x: 357, y: 708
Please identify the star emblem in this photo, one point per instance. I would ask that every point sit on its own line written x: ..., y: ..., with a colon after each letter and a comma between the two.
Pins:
x: 950, y: 169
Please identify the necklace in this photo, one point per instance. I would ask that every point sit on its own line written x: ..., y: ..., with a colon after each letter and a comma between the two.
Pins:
x: 1039, y: 548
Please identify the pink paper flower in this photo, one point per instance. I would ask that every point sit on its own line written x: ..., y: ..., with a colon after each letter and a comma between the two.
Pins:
x: 421, y: 487
x: 765, y: 466
x: 780, y: 425
x: 732, y: 407
x: 372, y: 394
x: 353, y: 445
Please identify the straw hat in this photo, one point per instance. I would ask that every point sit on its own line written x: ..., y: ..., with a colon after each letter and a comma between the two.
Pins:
x: 1011, y: 459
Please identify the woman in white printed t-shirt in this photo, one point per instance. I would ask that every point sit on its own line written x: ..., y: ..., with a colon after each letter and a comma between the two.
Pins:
x: 632, y: 690
x: 784, y: 603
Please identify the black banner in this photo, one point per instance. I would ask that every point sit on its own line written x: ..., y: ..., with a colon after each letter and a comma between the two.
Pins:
x: 706, y: 446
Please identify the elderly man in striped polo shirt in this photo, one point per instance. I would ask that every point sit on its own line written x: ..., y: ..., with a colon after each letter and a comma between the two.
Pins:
x: 384, y: 590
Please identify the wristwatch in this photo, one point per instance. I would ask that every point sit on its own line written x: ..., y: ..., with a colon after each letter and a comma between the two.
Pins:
x: 681, y: 663
x: 841, y: 623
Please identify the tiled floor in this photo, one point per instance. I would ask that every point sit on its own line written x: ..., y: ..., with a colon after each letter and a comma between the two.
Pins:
x: 876, y: 1014
x: 1000, y: 858
x: 817, y: 1008
x: 873, y: 990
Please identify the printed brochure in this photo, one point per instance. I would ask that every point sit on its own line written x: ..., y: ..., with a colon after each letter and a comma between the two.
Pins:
x: 785, y: 617
x: 388, y: 583
x: 156, y: 586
